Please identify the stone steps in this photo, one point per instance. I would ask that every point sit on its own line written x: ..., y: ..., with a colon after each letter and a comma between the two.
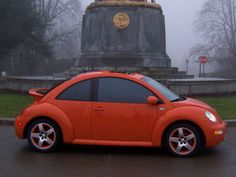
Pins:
x: 154, y: 72
x: 164, y: 73
x: 177, y: 76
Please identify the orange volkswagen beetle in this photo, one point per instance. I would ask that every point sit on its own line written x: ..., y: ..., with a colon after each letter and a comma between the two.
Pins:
x: 114, y: 109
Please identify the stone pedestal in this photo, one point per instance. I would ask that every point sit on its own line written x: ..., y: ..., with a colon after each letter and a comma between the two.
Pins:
x: 124, y: 33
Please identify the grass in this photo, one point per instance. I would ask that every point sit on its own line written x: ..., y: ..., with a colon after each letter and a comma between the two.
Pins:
x: 11, y: 104
x: 225, y: 105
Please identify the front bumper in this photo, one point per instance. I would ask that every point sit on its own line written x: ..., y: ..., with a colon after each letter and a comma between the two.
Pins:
x: 19, y: 127
x: 216, y: 134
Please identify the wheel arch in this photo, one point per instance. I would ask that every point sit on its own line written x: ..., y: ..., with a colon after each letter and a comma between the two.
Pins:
x: 50, y: 112
x: 41, y: 118
x: 202, y: 135
x: 66, y: 136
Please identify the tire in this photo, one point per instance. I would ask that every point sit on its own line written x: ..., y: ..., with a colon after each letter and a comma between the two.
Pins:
x: 182, y: 140
x: 43, y: 136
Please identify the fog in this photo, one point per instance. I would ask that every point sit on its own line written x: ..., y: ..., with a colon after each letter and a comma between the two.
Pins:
x: 180, y: 16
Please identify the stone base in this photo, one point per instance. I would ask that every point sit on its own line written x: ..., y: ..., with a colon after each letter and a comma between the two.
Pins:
x: 129, y: 60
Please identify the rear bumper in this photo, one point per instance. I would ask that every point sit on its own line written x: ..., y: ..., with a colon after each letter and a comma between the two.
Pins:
x: 216, y: 134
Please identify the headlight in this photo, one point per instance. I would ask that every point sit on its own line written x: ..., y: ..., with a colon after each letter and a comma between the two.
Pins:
x: 210, y: 116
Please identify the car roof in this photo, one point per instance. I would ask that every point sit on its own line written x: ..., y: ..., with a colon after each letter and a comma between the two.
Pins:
x: 110, y: 73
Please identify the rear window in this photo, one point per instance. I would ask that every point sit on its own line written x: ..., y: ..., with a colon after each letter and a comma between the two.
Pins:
x: 79, y: 91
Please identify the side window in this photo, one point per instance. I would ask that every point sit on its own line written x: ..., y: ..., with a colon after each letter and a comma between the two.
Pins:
x: 79, y: 91
x: 121, y: 91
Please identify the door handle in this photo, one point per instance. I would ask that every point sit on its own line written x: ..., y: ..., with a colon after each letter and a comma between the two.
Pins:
x: 98, y: 109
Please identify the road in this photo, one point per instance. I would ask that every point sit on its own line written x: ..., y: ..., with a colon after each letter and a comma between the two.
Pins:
x: 17, y: 160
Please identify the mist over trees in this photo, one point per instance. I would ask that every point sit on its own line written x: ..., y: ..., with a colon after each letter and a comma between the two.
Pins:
x: 35, y: 33
x: 19, y: 24
x: 216, y: 24
x: 62, y: 22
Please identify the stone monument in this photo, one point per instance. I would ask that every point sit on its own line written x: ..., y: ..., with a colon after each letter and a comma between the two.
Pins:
x: 125, y: 33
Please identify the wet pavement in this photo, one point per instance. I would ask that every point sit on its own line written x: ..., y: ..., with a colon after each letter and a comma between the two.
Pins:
x: 17, y: 160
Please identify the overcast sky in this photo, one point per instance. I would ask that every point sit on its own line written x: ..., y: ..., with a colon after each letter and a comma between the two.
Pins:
x: 180, y: 16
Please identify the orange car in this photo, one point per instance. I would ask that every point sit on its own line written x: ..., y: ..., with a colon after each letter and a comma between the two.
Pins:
x: 114, y: 109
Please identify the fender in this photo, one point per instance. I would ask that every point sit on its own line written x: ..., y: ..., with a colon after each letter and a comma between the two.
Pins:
x: 193, y: 114
x: 54, y: 113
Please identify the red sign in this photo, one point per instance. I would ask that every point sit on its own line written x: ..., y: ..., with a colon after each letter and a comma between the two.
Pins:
x: 203, y: 59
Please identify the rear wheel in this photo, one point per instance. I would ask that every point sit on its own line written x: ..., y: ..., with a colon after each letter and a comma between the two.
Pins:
x: 182, y: 140
x: 43, y: 136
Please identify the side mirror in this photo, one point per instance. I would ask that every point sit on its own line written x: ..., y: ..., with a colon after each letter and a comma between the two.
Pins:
x: 152, y: 100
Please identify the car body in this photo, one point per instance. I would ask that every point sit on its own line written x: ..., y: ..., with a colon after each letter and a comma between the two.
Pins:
x: 116, y: 109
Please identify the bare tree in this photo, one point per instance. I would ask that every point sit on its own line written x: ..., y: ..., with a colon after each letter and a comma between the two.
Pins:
x: 217, y: 25
x: 61, y: 19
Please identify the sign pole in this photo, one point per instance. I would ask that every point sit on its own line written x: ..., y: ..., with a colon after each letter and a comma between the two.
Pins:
x: 202, y: 60
x: 203, y: 70
x: 200, y: 69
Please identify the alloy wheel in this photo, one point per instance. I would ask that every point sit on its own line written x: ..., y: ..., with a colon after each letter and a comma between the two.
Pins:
x: 43, y: 136
x: 182, y: 141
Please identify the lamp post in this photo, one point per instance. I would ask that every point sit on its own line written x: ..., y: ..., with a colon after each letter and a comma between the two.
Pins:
x: 46, y: 77
x: 187, y: 62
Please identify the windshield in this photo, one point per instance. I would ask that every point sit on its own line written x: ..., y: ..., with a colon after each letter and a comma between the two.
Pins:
x: 171, y: 96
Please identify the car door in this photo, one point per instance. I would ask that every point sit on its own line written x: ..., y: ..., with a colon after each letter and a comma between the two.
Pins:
x: 121, y: 112
x: 76, y: 102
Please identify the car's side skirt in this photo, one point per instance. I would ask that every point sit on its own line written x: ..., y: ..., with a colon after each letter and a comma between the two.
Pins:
x: 113, y: 143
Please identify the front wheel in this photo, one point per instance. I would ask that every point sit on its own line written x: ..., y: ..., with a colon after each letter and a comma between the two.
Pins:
x: 182, y: 140
x: 43, y: 135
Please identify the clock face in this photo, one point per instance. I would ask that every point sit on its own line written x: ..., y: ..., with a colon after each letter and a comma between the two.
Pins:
x: 121, y: 20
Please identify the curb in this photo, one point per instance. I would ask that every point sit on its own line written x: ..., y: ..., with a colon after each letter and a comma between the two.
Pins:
x: 231, y: 123
x: 7, y: 121
x: 11, y: 122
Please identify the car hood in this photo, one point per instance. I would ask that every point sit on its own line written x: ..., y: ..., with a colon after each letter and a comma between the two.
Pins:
x: 193, y: 102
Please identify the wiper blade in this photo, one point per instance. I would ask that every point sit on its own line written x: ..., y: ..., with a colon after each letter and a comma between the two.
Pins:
x: 179, y: 99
